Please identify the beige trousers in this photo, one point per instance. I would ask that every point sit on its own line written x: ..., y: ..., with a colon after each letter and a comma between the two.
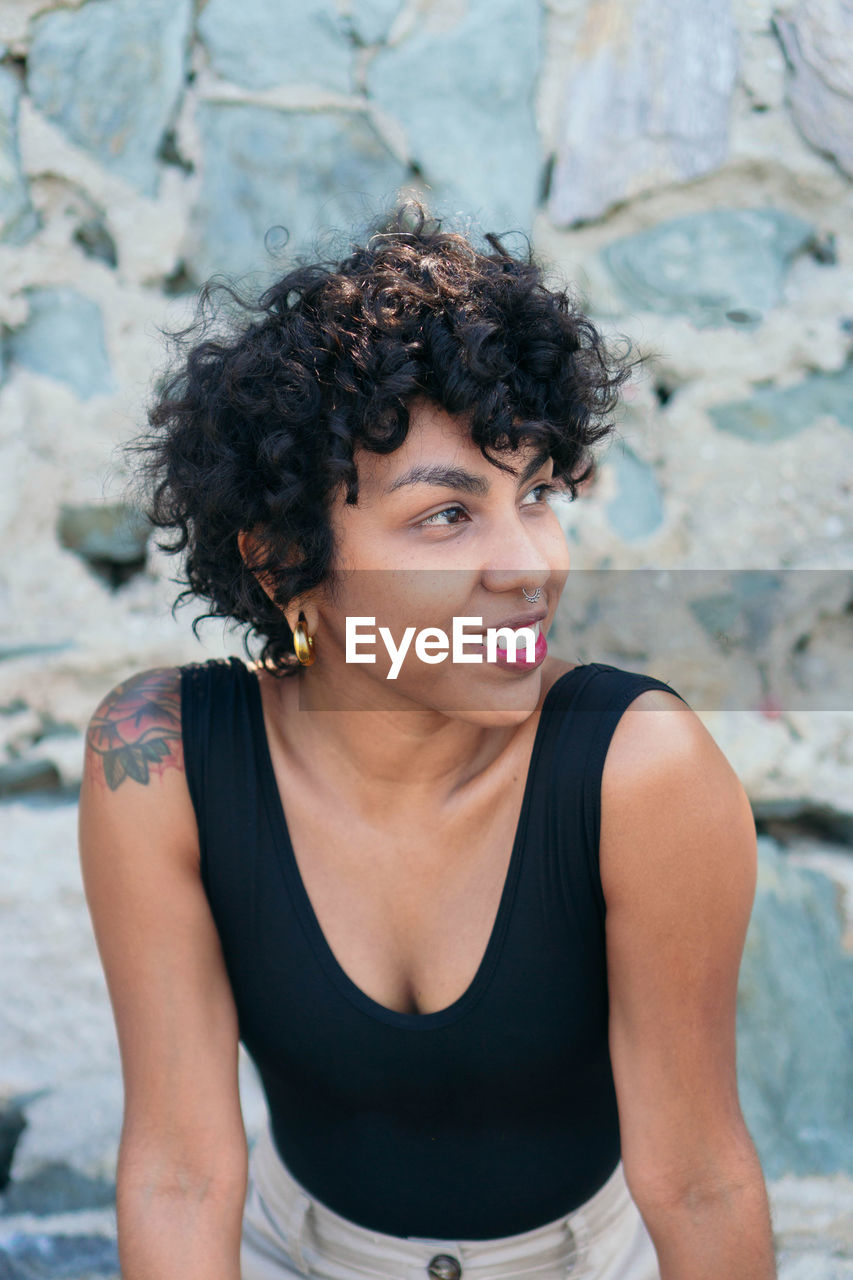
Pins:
x: 287, y: 1232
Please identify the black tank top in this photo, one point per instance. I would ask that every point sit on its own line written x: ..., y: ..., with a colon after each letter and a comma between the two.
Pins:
x: 488, y: 1117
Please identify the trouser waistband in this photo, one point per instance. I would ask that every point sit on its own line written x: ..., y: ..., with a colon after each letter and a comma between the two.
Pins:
x: 313, y: 1231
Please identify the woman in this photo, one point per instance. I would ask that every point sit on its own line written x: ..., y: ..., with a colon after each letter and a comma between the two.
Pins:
x: 479, y: 923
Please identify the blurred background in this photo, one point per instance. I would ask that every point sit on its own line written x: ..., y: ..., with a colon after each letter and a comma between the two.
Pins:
x: 688, y: 166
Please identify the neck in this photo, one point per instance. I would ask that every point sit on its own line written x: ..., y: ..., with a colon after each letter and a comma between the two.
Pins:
x: 399, y: 755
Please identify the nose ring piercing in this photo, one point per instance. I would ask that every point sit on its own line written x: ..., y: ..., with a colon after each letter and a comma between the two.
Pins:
x: 535, y: 595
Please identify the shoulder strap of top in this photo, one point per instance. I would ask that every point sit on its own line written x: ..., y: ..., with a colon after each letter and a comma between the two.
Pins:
x: 216, y: 731
x: 590, y: 707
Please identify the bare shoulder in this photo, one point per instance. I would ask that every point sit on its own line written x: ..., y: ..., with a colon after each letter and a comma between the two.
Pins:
x: 134, y: 733
x: 652, y: 732
x: 668, y: 792
x: 658, y: 736
x: 133, y: 771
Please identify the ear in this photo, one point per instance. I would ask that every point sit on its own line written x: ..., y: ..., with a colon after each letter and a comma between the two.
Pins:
x: 251, y: 546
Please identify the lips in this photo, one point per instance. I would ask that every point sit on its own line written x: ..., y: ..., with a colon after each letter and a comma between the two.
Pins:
x: 521, y: 642
x: 518, y: 625
x: 521, y: 659
x: 522, y: 619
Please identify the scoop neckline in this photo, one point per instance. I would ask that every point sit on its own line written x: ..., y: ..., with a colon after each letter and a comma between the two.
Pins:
x: 299, y: 894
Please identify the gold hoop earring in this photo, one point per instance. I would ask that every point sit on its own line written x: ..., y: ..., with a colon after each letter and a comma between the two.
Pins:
x: 303, y: 643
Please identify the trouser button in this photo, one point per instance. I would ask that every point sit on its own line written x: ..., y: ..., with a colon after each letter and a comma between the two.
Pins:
x: 444, y: 1267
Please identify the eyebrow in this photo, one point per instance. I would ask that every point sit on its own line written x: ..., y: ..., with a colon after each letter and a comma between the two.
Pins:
x: 458, y: 477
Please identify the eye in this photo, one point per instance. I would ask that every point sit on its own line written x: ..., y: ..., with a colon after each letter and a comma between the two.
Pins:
x: 544, y: 489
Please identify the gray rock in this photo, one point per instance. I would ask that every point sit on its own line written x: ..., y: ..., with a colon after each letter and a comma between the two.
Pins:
x: 73, y: 1257
x: 57, y: 1187
x: 263, y: 168
x: 816, y: 1258
x: 110, y: 74
x: 63, y: 338
x: 734, y: 640
x: 12, y: 1124
x: 371, y: 20
x: 648, y: 99
x: 116, y: 533
x: 724, y: 266
x: 798, y: 813
x: 774, y: 413
x: 94, y: 239
x: 795, y: 1022
x: 765, y: 621
x: 745, y: 613
x: 20, y: 776
x: 18, y: 219
x: 637, y: 509
x: 820, y: 663
x: 261, y: 43
x: 464, y: 93
x: 9, y: 652
x: 817, y: 37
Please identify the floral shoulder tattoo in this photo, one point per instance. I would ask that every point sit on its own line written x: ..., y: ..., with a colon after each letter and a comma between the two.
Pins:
x: 136, y: 730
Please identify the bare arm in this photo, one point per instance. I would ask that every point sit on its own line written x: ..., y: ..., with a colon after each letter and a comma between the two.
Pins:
x: 678, y: 864
x: 183, y: 1160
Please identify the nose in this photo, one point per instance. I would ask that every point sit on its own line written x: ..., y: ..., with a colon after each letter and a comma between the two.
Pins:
x: 517, y: 559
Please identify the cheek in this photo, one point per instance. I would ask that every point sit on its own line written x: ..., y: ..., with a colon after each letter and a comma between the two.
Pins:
x: 556, y: 544
x: 427, y: 598
x: 400, y: 598
x: 562, y: 557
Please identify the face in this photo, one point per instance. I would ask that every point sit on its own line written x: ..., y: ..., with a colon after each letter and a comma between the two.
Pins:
x: 418, y: 550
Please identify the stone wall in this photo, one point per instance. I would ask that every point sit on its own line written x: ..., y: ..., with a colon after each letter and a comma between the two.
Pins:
x: 689, y: 168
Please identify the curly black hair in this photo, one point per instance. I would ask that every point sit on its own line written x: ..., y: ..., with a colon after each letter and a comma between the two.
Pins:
x: 255, y: 425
